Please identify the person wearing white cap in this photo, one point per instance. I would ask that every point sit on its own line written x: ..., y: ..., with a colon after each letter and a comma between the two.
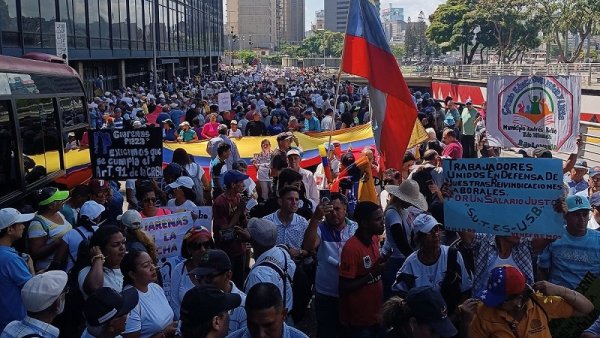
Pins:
x: 87, y: 223
x: 184, y: 195
x: 234, y: 131
x: 44, y: 298
x: 186, y: 133
x: 432, y: 263
x: 14, y: 271
x: 294, y: 157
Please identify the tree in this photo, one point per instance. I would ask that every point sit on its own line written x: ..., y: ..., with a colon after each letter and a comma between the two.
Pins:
x: 415, y: 40
x: 559, y: 18
x: 398, y: 51
x: 320, y: 43
x: 246, y: 55
x: 450, y: 31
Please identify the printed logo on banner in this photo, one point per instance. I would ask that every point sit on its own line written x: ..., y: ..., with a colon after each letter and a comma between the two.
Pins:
x: 530, y: 112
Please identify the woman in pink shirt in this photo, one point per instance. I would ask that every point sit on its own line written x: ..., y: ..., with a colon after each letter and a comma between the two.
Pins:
x: 149, y: 209
x: 211, y: 128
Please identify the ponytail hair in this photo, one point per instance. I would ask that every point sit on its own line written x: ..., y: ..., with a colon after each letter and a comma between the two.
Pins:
x: 395, y: 314
x: 146, y: 241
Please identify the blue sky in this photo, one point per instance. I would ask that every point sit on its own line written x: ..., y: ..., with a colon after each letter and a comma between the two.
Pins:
x: 411, y: 8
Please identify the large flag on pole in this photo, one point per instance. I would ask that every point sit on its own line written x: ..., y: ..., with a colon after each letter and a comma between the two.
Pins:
x: 367, y: 54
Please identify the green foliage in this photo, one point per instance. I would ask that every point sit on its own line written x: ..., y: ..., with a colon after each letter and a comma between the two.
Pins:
x: 246, y: 56
x: 398, y: 51
x: 558, y: 18
x: 320, y: 43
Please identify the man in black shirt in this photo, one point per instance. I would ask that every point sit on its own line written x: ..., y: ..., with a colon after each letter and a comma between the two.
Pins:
x: 256, y: 127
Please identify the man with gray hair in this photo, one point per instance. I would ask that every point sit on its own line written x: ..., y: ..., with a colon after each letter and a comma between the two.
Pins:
x: 213, y: 144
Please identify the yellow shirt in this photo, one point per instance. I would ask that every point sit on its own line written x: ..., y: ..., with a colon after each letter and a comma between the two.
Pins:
x: 495, y: 323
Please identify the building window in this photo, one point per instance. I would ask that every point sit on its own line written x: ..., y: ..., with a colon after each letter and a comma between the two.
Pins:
x: 8, y: 24
x: 104, y: 24
x: 10, y: 177
x: 79, y: 16
x: 30, y: 21
x: 38, y: 125
x: 72, y: 111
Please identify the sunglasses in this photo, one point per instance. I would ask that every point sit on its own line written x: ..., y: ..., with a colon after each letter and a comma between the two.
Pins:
x: 149, y: 200
x: 197, y: 245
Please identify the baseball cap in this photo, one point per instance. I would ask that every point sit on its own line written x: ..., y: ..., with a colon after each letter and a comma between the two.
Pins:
x: 183, y: 181
x: 428, y: 306
x: 527, y: 152
x: 424, y: 223
x: 468, y: 101
x: 184, y: 123
x: 131, y: 219
x: 91, y: 209
x: 504, y: 281
x: 541, y: 152
x: 581, y: 165
x: 262, y: 232
x: 234, y: 122
x: 234, y: 176
x: 105, y: 304
x: 10, y: 216
x: 284, y: 136
x: 43, y: 290
x: 201, y: 304
x: 595, y: 199
x: 576, y: 202
x: 294, y: 151
x: 51, y: 194
x: 212, y: 262
x: 97, y: 185
x: 594, y: 171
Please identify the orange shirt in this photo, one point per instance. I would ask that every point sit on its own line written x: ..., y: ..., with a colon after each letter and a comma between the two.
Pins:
x: 496, y: 323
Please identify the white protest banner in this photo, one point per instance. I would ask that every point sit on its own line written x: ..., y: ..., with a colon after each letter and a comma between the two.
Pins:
x: 202, y: 215
x: 62, y: 46
x: 168, y: 231
x: 224, y: 101
x: 533, y: 111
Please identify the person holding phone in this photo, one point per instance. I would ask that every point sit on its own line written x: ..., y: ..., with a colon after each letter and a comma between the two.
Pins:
x: 328, y: 231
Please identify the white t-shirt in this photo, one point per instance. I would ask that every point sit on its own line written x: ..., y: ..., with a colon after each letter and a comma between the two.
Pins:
x: 194, y: 170
x: 113, y: 278
x: 152, y: 314
x: 236, y: 133
x: 186, y: 206
x: 73, y: 239
x: 180, y: 284
x: 431, y: 275
x: 52, y: 231
x: 592, y: 223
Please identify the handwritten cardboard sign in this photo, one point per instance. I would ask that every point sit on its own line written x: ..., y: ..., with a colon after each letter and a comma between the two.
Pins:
x: 504, y: 196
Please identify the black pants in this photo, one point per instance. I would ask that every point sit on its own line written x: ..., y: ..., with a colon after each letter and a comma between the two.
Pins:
x: 468, y: 143
x: 238, y: 269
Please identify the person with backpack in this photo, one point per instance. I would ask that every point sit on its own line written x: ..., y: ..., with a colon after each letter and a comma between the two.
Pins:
x: 509, y: 307
x: 195, y: 172
x: 89, y: 219
x: 435, y: 265
x: 47, y: 227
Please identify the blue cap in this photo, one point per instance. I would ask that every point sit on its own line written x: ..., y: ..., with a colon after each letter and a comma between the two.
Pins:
x: 594, y: 171
x: 234, y: 176
x: 595, y: 199
x: 576, y: 202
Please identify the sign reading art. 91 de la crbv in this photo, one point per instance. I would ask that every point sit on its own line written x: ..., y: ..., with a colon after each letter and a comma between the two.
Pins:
x: 504, y: 196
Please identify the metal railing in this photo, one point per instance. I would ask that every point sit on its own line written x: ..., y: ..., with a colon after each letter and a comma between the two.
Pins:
x: 589, y: 72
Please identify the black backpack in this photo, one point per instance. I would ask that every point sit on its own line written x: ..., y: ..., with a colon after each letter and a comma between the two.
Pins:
x: 450, y: 288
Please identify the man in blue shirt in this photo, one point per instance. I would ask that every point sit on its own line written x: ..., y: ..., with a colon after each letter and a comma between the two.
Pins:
x: 567, y: 260
x: 576, y: 181
x: 13, y: 267
x: 311, y: 122
x: 176, y: 113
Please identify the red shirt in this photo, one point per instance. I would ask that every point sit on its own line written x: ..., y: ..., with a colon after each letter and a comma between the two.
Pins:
x: 222, y: 213
x: 454, y: 150
x: 360, y: 307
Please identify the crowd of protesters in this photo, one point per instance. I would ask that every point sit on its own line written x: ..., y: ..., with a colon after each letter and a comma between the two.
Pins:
x: 366, y: 249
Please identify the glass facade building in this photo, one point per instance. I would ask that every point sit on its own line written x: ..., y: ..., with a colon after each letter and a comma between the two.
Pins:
x: 115, y: 38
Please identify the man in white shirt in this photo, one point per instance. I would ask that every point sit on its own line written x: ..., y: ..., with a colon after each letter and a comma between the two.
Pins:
x: 327, y: 122
x: 308, y: 180
x: 594, y: 222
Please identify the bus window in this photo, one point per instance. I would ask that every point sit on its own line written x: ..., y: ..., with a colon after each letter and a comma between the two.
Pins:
x: 72, y: 110
x: 41, y: 138
x: 9, y: 173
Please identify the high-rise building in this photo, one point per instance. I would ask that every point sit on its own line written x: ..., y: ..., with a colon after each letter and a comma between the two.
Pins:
x: 319, y: 23
x: 336, y: 14
x: 293, y: 21
x: 254, y: 22
x: 393, y: 22
x: 118, y: 38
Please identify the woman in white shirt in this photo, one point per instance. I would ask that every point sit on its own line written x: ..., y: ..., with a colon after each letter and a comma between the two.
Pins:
x: 234, y: 131
x: 262, y: 163
x: 184, y: 196
x: 152, y: 317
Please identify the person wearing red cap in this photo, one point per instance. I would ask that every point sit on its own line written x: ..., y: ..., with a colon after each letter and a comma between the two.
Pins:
x: 511, y: 308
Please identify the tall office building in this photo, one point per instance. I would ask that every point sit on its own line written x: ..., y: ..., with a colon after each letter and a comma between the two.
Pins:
x: 319, y: 23
x: 336, y: 14
x: 393, y: 22
x: 254, y: 22
x: 293, y: 21
x: 118, y: 38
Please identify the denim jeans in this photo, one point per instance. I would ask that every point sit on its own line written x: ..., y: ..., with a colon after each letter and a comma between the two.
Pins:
x: 327, y: 312
x: 389, y: 275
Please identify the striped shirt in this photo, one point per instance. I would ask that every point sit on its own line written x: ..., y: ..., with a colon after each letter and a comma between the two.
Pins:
x: 29, y: 326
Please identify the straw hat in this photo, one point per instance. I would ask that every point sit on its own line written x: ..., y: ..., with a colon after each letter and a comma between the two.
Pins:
x: 408, y: 191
